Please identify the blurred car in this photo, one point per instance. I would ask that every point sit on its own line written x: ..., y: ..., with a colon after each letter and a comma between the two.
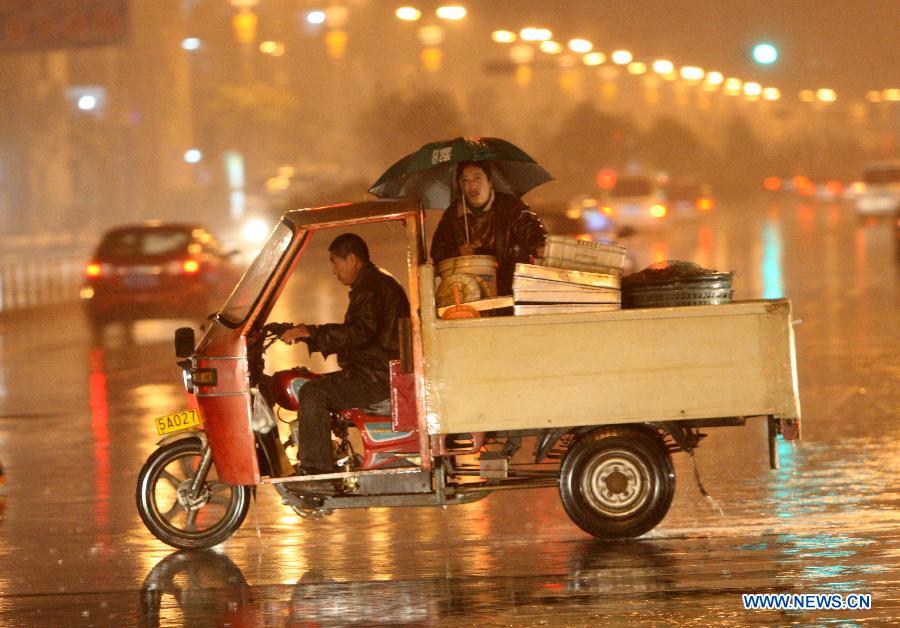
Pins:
x: 688, y: 198
x: 156, y: 270
x: 882, y: 188
x: 637, y: 201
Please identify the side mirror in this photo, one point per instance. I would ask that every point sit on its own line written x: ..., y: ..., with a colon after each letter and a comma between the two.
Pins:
x: 184, y: 342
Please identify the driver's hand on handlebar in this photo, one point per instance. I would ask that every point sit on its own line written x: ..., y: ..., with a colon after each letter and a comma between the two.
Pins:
x: 294, y: 333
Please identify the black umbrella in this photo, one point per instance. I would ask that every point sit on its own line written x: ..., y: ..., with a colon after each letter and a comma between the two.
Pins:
x: 430, y: 172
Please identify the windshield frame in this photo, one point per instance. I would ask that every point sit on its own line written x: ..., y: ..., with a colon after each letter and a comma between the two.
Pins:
x: 266, y: 267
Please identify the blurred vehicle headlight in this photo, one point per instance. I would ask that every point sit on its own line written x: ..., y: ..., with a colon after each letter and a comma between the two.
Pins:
x: 658, y: 210
x: 255, y: 230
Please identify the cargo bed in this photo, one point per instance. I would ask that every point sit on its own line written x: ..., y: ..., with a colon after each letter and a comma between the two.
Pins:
x: 572, y: 369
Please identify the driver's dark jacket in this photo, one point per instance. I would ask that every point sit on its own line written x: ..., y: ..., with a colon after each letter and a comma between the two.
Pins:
x: 368, y: 338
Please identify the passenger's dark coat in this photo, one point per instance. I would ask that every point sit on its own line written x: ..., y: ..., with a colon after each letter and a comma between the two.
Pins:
x: 509, y: 231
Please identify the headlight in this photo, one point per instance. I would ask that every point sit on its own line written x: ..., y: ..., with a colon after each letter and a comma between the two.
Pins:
x: 187, y: 377
x: 255, y: 230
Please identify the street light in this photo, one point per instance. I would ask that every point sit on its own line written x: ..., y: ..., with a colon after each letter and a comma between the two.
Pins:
x: 765, y: 53
x: 451, y: 12
x: 637, y: 68
x: 193, y: 155
x: 408, y: 14
x: 663, y: 66
x: 593, y: 58
x: 315, y: 17
x: 503, y: 37
x: 733, y: 86
x: 87, y: 103
x: 752, y: 90
x: 431, y: 36
x: 535, y: 34
x: 190, y: 44
x: 580, y: 46
x: 274, y: 48
x: 622, y: 57
x: 692, y: 74
x: 551, y: 47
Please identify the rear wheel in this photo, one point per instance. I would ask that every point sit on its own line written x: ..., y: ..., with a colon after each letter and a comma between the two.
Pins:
x: 617, y: 482
x: 177, y: 516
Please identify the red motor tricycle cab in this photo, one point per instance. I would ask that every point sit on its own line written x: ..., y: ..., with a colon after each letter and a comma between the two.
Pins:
x: 226, y: 405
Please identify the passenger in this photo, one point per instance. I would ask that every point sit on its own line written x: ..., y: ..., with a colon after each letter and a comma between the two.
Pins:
x: 487, y: 222
x: 364, y: 343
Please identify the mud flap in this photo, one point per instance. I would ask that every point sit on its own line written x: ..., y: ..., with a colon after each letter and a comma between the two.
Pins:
x: 789, y: 430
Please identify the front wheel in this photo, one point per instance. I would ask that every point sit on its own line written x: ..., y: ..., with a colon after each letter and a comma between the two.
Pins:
x: 617, y: 482
x: 173, y: 512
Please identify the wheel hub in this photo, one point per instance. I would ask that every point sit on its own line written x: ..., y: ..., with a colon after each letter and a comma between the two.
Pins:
x: 188, y: 500
x: 616, y: 484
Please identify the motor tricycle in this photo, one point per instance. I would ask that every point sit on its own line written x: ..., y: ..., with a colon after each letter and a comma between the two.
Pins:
x: 593, y: 403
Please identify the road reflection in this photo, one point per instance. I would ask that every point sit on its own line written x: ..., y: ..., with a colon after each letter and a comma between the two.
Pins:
x: 97, y: 402
x: 208, y: 588
x: 572, y: 583
x: 200, y: 588
x: 772, y: 274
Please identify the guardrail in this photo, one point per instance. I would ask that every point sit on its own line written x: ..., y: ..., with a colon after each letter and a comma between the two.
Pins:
x: 28, y: 283
x: 42, y: 269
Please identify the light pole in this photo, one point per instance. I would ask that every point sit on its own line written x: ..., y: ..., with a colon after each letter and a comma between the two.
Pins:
x: 245, y: 23
x: 431, y: 35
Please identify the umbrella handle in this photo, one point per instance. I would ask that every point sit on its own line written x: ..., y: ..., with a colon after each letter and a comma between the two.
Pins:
x: 465, y: 214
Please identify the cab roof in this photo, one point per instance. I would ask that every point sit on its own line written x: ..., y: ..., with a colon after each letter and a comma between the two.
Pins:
x: 352, y: 213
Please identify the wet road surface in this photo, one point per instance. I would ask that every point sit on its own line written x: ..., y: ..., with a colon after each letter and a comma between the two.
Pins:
x: 75, y: 428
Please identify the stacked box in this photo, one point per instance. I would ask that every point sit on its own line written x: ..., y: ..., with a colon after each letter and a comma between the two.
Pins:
x: 544, y: 290
x: 597, y: 257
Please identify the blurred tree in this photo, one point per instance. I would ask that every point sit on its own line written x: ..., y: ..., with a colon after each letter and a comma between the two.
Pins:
x: 587, y: 140
x: 672, y: 146
x: 744, y: 161
x: 820, y: 157
x: 398, y: 123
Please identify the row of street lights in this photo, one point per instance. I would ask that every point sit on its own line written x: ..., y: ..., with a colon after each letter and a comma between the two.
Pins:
x: 431, y: 36
x: 522, y: 54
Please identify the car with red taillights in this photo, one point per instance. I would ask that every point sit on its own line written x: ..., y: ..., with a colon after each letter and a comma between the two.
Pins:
x: 637, y: 201
x: 156, y: 270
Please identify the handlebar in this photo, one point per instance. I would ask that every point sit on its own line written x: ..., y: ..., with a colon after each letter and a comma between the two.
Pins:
x: 259, y: 343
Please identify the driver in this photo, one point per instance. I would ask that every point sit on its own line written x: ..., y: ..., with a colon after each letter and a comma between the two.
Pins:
x: 364, y: 343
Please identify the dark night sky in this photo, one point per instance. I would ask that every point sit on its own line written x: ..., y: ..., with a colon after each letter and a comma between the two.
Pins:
x: 850, y: 46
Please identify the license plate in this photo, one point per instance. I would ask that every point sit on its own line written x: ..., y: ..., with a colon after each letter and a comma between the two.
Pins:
x: 177, y: 421
x: 140, y: 281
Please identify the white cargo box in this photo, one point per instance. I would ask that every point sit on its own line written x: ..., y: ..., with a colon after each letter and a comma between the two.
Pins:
x: 569, y: 253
